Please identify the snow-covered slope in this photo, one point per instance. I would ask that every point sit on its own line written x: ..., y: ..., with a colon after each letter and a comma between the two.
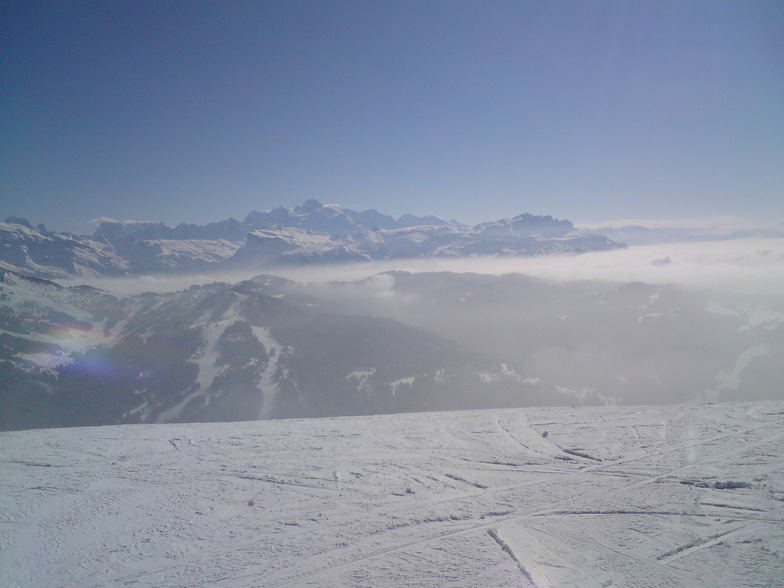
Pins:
x: 396, y: 342
x: 46, y: 254
x: 160, y: 256
x: 316, y: 233
x: 331, y: 219
x: 310, y: 233
x: 79, y: 356
x: 683, y: 496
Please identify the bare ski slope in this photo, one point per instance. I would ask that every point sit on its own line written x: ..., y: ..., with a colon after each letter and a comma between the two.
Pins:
x: 619, y: 496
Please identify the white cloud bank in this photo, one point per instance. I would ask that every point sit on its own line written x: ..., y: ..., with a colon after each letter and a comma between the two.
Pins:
x: 106, y: 219
x: 744, y: 265
x: 751, y: 266
x: 728, y: 223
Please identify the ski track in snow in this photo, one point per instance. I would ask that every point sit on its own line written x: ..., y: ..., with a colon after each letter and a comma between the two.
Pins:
x: 611, y: 496
x: 206, y: 360
x: 268, y: 385
x: 209, y: 369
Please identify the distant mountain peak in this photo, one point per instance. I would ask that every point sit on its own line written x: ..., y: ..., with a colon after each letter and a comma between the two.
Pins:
x: 309, y: 205
x: 18, y: 220
x: 311, y: 233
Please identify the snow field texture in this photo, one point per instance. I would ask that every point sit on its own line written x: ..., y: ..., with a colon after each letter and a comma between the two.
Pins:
x: 687, y: 495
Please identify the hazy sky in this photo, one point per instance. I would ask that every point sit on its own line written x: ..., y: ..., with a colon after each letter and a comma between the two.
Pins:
x: 197, y: 111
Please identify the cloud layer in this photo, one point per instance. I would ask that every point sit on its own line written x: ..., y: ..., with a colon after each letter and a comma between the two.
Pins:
x: 749, y: 266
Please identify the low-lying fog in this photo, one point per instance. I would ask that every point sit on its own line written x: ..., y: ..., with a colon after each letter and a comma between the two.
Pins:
x: 751, y: 266
x: 658, y: 324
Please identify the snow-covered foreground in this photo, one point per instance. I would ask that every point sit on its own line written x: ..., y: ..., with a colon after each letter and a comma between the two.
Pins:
x: 621, y: 496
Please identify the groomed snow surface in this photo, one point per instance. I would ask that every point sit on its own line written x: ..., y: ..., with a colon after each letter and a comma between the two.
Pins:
x: 609, y: 496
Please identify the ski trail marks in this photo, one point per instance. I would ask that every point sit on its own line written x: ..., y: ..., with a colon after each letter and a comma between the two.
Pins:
x: 507, y: 549
x: 401, y: 500
x: 691, y: 547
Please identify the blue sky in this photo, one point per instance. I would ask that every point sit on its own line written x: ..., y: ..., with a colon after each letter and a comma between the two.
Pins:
x: 197, y: 111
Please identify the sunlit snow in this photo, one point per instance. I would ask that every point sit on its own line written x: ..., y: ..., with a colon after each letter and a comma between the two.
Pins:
x: 623, y: 496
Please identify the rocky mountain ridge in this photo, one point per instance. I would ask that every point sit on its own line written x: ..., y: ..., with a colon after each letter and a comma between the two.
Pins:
x: 312, y: 233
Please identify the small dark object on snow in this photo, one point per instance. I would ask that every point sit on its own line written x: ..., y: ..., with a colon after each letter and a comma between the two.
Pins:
x: 544, y: 434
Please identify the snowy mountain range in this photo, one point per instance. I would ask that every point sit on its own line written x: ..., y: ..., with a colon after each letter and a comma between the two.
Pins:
x: 311, y: 233
x: 80, y: 356
x: 269, y: 347
x: 396, y: 342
